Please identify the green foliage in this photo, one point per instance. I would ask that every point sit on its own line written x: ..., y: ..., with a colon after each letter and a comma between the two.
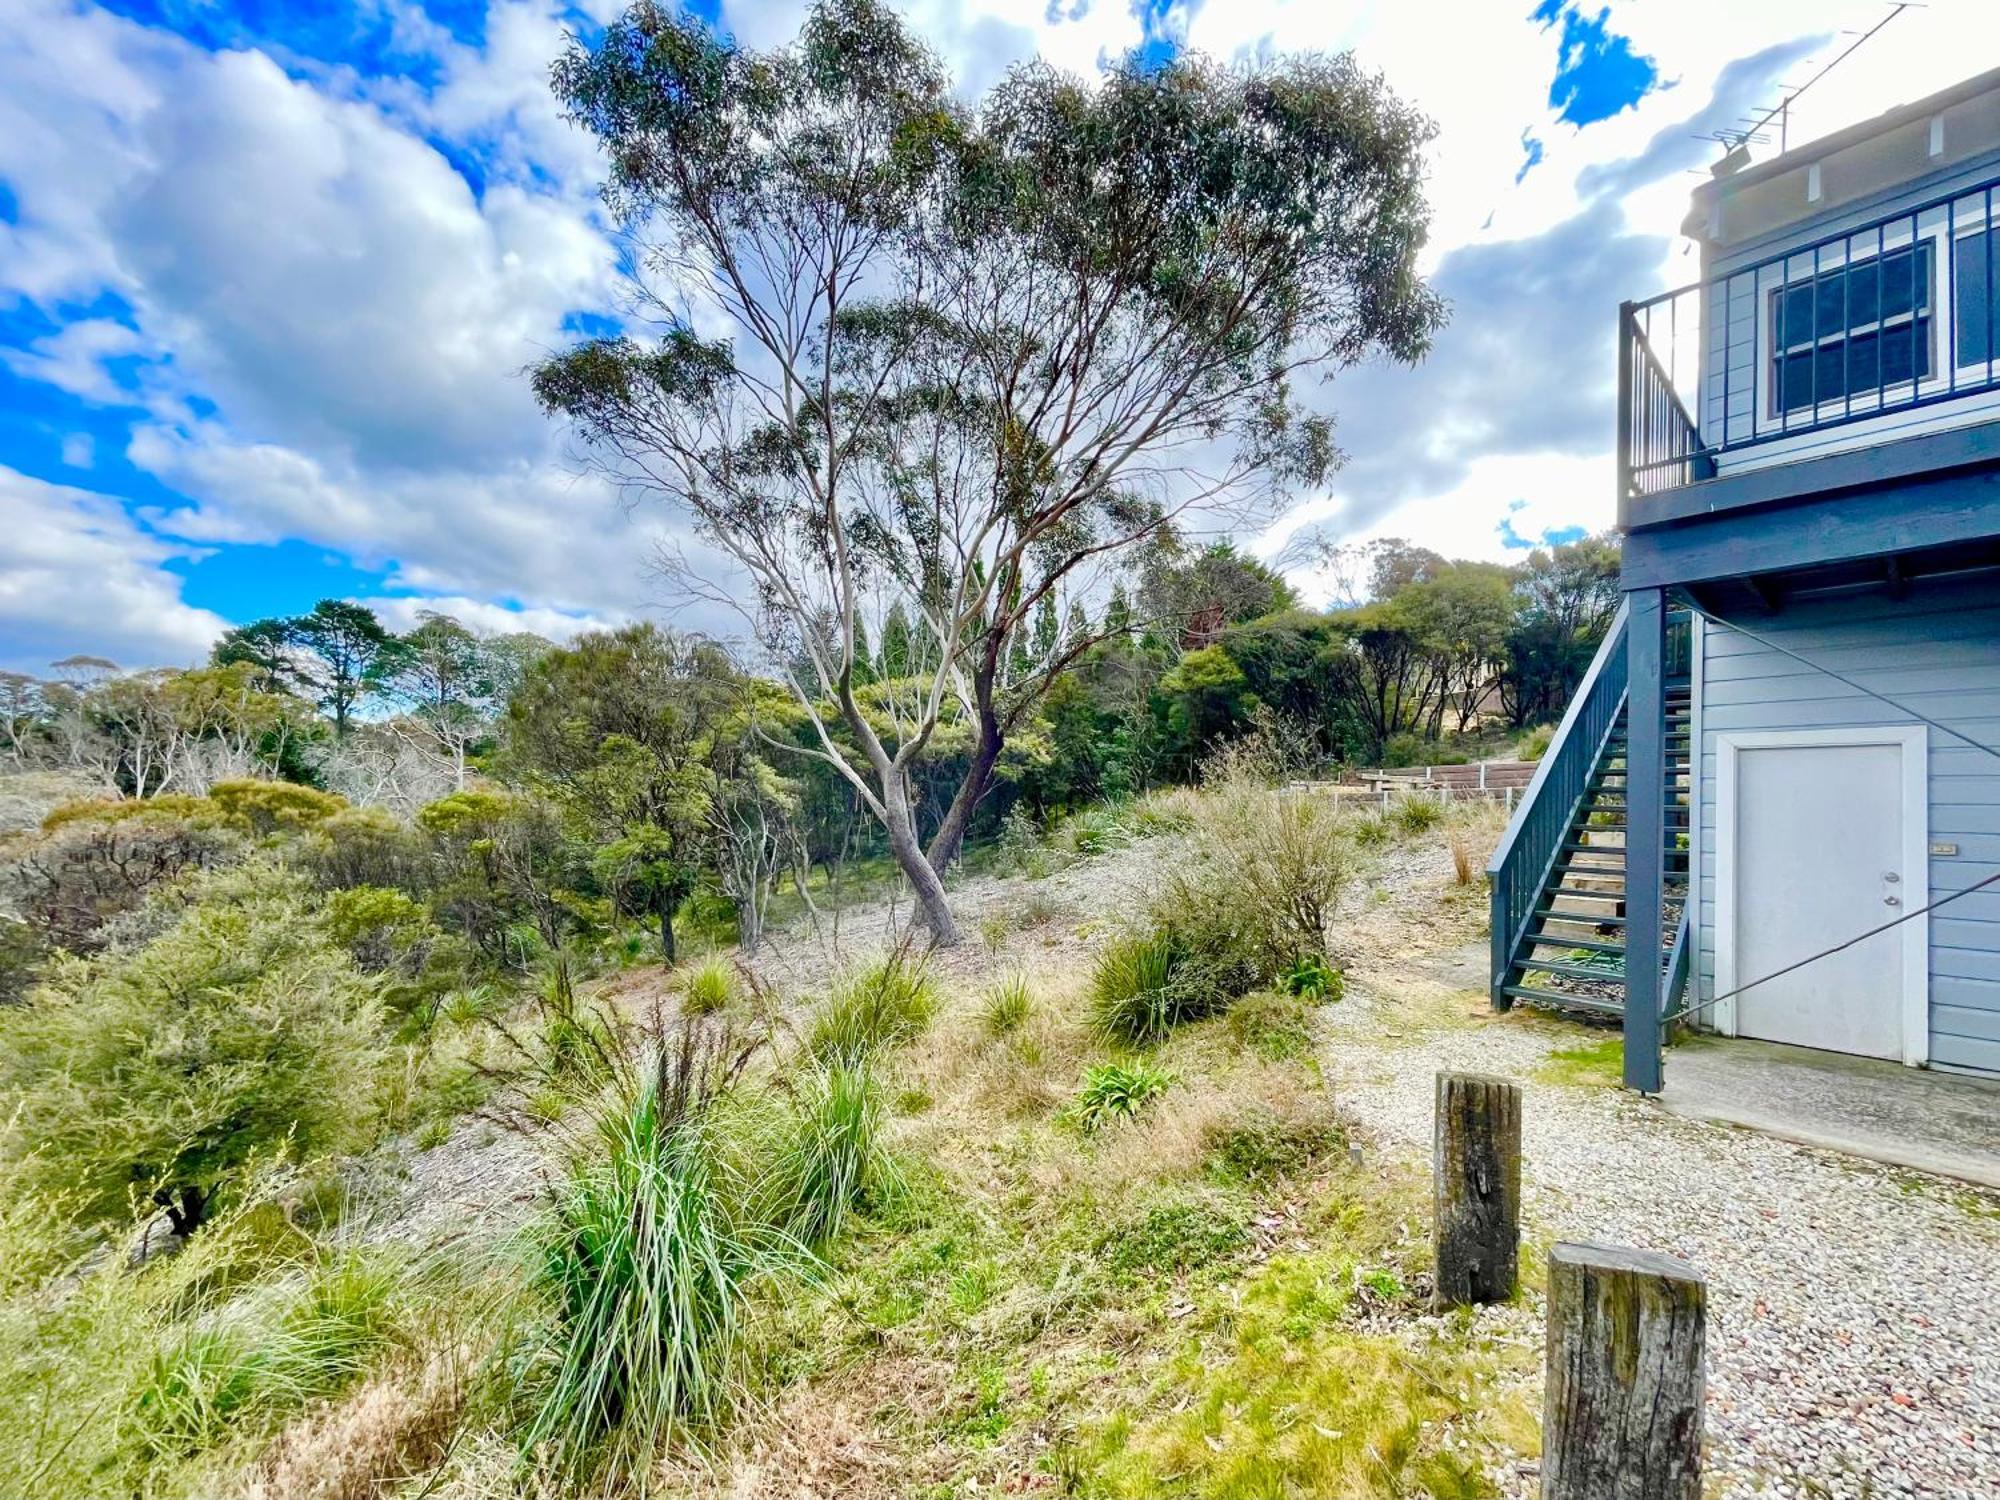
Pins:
x: 219, y: 1375
x: 242, y: 1030
x: 263, y: 808
x: 828, y: 1156
x: 1132, y: 995
x: 877, y: 1005
x: 710, y: 986
x: 1274, y: 1024
x: 1117, y: 1091
x: 1310, y: 977
x: 645, y: 1261
x: 376, y: 924
x: 1416, y: 812
x: 1260, y: 1143
x: 1179, y: 1235
x: 1009, y: 1003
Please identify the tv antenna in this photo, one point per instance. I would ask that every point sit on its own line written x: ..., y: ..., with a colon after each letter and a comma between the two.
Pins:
x: 1737, y: 142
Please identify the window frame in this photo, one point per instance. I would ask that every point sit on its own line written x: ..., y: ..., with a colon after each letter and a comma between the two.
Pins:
x: 1775, y: 419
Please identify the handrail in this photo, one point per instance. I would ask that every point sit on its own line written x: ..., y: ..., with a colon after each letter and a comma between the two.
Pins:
x: 1528, y: 850
x: 1892, y: 314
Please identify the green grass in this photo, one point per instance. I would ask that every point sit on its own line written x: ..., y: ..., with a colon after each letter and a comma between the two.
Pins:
x: 645, y: 1264
x: 1599, y: 1064
x: 879, y: 1005
x: 1131, y: 994
x: 1007, y: 1007
x: 829, y: 1153
x: 710, y: 987
x: 1278, y: 1393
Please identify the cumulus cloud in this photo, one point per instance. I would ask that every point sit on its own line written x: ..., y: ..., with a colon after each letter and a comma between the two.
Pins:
x: 78, y: 575
x: 484, y: 617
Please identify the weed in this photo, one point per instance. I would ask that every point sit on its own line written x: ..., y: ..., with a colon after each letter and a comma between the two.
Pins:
x: 1117, y: 1091
x: 1262, y: 1144
x: 1461, y: 860
x: 1311, y: 978
x: 1008, y: 1006
x: 1599, y: 1064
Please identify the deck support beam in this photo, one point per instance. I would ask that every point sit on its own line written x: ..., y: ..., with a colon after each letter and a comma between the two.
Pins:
x: 1645, y: 834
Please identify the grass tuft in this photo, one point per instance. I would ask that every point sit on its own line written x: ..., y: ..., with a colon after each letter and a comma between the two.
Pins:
x: 879, y: 1005
x: 710, y: 987
x: 829, y: 1155
x: 1008, y: 1005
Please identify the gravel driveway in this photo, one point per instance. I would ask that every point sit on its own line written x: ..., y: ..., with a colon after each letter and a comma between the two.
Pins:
x: 1854, y: 1336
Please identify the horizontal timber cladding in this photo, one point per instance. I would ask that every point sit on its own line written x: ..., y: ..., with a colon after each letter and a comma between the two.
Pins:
x: 1936, y: 651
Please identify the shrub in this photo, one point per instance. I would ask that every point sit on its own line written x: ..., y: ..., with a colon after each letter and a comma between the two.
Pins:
x: 262, y: 808
x: 1263, y: 1143
x: 828, y: 1156
x: 97, y: 861
x: 878, y: 1005
x: 1535, y: 743
x: 1008, y: 1005
x: 240, y: 1031
x: 376, y: 924
x: 363, y: 846
x: 1263, y: 872
x: 710, y: 987
x: 1117, y: 1091
x: 644, y: 1265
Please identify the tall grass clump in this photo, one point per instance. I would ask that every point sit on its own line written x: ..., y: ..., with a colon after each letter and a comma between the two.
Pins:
x: 645, y: 1259
x: 1008, y: 1005
x: 711, y: 986
x: 879, y: 1005
x: 1414, y: 812
x: 1132, y: 994
x: 828, y: 1154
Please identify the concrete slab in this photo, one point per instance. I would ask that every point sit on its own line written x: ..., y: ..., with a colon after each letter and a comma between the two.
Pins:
x: 1883, y: 1111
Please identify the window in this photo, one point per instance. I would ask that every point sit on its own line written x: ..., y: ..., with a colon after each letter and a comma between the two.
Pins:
x: 1977, y: 259
x: 1857, y: 330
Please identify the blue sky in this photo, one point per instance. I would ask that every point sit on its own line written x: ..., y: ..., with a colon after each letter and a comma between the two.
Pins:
x: 270, y: 271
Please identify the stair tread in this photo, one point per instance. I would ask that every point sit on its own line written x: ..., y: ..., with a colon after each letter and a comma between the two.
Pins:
x: 1558, y: 997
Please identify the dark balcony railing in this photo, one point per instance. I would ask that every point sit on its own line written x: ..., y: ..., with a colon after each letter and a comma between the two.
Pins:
x: 1895, y: 314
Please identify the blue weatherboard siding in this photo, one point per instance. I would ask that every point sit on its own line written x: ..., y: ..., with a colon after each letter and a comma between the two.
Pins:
x: 1937, y: 651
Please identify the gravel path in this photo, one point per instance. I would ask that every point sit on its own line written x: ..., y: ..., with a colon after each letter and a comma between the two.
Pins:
x: 1854, y: 1310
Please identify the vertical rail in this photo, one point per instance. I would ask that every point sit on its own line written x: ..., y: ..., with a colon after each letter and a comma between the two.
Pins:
x: 1645, y: 835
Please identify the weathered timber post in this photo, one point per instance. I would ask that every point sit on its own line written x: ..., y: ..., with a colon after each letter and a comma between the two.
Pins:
x: 1476, y: 1159
x: 1621, y: 1408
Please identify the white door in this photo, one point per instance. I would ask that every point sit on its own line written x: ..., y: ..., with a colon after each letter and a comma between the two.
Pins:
x: 1827, y: 844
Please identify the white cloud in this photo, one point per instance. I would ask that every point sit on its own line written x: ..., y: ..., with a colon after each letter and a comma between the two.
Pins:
x: 483, y: 617
x: 77, y: 575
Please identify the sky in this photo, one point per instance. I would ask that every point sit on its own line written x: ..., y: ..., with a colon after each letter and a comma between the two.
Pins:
x: 271, y: 272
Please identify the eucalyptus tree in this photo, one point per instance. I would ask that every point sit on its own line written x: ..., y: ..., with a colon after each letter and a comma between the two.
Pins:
x: 887, y: 349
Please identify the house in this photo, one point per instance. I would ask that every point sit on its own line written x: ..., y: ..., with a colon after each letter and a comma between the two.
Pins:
x: 1781, y: 779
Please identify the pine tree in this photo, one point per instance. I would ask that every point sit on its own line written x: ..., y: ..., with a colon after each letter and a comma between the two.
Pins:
x: 894, y: 660
x: 1047, y: 632
x: 1076, y: 629
x: 1118, y: 614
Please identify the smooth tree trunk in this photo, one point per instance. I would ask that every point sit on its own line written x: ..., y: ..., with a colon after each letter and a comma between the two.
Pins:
x: 950, y: 836
x: 917, y: 868
x: 665, y: 911
x: 1622, y: 1398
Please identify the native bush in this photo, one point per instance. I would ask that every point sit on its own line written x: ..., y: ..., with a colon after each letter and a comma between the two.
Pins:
x: 1132, y: 999
x: 1008, y: 1005
x: 243, y: 1029
x: 263, y: 808
x: 1414, y: 812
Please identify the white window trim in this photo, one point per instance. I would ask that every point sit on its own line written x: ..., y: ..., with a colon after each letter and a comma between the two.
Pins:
x: 1942, y: 230
x: 1914, y: 742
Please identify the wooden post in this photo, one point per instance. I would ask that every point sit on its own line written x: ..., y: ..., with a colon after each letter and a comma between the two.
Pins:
x: 1621, y: 1406
x: 1477, y: 1174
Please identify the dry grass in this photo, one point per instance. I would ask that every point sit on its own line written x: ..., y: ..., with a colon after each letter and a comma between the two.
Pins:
x: 395, y: 1426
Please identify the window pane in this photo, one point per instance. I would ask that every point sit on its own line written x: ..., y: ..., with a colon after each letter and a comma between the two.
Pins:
x: 1972, y: 276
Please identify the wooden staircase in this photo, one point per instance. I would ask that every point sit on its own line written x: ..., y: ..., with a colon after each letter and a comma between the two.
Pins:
x: 1559, y: 915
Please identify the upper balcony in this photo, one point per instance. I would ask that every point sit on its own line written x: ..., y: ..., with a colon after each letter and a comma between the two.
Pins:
x: 1878, y: 330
